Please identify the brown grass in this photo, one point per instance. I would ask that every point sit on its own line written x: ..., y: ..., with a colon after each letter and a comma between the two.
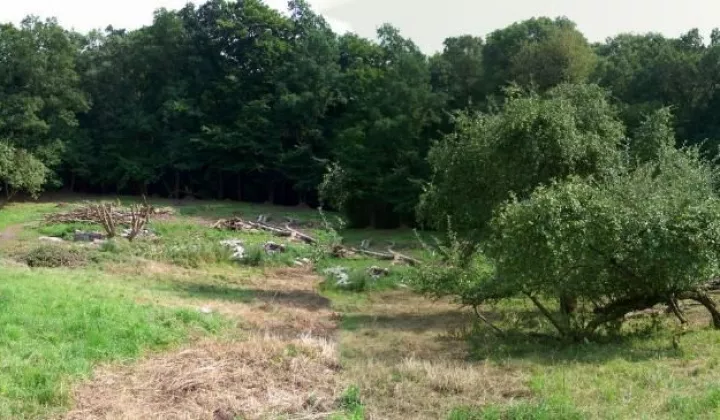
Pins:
x: 279, y: 302
x: 260, y: 377
x: 408, y: 355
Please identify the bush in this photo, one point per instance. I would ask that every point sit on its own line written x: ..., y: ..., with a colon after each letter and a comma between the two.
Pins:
x: 49, y: 256
x: 647, y: 237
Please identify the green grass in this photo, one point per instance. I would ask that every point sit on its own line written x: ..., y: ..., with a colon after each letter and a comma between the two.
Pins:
x: 67, y: 230
x: 55, y: 325
x: 554, y: 409
x: 17, y: 213
x: 637, y: 374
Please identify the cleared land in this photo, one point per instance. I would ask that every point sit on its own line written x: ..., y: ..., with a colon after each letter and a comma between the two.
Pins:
x: 169, y: 328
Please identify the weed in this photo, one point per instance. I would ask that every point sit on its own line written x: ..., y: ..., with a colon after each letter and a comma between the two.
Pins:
x: 254, y: 256
x: 693, y: 407
x: 54, y: 256
x: 351, y: 405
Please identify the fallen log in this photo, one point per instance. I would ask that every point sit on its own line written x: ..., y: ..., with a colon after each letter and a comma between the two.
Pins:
x: 303, y: 237
x: 285, y: 232
x: 388, y: 256
x: 374, y: 254
x: 404, y: 258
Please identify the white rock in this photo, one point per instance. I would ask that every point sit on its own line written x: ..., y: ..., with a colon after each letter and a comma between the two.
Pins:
x: 237, y: 246
x: 50, y: 239
x: 205, y: 310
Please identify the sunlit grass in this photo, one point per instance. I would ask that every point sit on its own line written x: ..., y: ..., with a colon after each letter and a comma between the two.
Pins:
x: 56, y: 324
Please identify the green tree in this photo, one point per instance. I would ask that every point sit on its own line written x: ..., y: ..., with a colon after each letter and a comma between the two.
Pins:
x: 39, y: 90
x: 539, y: 52
x: 380, y: 137
x: 640, y: 239
x: 457, y: 72
x: 533, y: 140
x: 20, y: 171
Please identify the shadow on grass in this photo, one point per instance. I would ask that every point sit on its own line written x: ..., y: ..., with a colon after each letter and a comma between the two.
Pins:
x: 521, y: 342
x: 412, y: 322
x: 547, y: 349
x: 291, y: 298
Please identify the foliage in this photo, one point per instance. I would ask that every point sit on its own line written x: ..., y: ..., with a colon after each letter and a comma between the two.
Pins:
x: 233, y: 99
x: 534, y: 139
x: 538, y: 51
x: 642, y: 238
x: 20, y: 171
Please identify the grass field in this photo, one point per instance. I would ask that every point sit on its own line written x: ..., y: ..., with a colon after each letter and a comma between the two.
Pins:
x: 170, y: 327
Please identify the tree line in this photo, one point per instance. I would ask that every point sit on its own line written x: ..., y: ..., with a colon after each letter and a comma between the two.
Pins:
x: 233, y: 99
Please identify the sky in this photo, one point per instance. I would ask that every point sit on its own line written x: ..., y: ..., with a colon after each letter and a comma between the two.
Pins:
x: 427, y: 22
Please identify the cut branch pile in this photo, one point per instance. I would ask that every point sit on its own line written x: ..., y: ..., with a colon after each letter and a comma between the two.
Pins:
x: 88, y: 214
x: 111, y: 216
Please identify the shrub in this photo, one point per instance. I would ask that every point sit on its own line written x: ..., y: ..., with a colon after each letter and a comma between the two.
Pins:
x: 602, y: 250
x: 55, y: 256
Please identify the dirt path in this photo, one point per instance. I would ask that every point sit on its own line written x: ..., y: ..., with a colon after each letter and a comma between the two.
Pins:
x: 10, y: 233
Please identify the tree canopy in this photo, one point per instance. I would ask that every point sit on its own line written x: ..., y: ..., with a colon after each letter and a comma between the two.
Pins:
x: 234, y: 99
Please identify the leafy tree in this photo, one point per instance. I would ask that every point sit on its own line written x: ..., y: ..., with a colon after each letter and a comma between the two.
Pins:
x: 20, y: 171
x: 538, y: 52
x: 307, y: 89
x: 457, y: 72
x: 380, y: 139
x: 601, y: 248
x: 647, y: 72
x: 640, y: 239
x: 39, y: 90
x: 533, y: 140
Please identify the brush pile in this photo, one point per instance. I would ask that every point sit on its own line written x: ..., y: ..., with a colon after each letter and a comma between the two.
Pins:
x: 88, y: 214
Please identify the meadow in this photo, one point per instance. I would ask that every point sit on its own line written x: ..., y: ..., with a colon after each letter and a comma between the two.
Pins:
x: 171, y: 327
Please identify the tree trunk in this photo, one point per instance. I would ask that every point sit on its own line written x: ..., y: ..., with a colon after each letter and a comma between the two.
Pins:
x: 271, y: 193
x: 709, y: 304
x: 176, y: 193
x: 221, y: 187
x: 72, y: 182
x: 239, y: 186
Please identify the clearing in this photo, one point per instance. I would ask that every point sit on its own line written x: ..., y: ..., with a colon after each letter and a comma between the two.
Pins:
x: 170, y: 327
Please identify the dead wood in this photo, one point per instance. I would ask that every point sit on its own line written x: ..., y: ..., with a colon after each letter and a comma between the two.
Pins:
x: 282, y: 231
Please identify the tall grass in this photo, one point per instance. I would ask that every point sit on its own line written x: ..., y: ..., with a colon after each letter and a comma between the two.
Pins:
x: 57, y: 324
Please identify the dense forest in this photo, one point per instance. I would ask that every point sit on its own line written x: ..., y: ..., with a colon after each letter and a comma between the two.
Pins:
x: 235, y: 100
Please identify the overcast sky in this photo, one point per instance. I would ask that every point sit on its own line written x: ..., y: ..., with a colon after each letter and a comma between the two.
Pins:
x: 426, y: 22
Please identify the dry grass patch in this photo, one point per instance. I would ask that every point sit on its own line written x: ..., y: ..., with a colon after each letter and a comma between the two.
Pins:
x: 261, y: 377
x: 408, y: 355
